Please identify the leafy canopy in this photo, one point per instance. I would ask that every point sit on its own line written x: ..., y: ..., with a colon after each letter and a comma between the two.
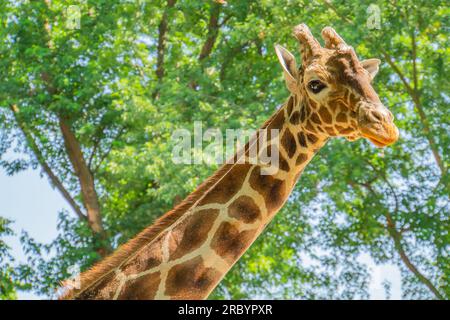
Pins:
x: 134, y: 71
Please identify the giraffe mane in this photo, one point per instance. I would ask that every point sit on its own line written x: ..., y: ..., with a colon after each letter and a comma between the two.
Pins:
x: 104, y: 267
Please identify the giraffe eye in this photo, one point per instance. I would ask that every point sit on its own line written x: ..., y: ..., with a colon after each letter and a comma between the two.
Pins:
x: 316, y: 86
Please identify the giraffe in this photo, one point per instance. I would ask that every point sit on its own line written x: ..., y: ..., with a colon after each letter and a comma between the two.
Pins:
x: 186, y: 252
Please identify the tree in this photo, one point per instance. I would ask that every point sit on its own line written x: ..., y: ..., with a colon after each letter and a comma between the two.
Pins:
x: 8, y: 283
x: 94, y: 108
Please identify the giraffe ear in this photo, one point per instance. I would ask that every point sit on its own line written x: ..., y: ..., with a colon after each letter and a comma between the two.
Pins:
x: 371, y: 65
x: 289, y: 66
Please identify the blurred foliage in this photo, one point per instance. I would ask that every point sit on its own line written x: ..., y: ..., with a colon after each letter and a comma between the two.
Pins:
x: 9, y: 282
x: 124, y: 98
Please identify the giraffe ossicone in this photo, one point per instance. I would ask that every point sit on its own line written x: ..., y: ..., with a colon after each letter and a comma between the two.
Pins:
x: 186, y: 253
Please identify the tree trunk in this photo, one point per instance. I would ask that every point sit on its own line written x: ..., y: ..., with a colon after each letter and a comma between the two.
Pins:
x: 163, y: 28
x: 87, y: 185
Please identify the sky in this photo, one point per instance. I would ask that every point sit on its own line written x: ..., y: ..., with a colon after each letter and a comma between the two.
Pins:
x: 30, y: 202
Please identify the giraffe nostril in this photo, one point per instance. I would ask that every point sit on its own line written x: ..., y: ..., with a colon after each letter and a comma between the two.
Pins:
x: 376, y: 116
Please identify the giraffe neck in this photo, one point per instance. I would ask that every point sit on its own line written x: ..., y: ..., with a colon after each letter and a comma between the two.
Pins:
x: 189, y: 258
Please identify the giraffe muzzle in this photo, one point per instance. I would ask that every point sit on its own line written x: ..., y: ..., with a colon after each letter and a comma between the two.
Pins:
x: 376, y: 124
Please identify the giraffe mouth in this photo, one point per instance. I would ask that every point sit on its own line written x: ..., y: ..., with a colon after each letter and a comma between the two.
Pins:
x: 378, y: 143
x: 381, y: 135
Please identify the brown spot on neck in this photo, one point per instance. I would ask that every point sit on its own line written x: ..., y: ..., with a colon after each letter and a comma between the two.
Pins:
x: 302, y: 139
x: 245, y: 209
x: 147, y: 258
x: 302, y: 157
x: 290, y: 105
x: 273, y: 190
x: 228, y: 186
x: 312, y: 138
x: 276, y: 124
x: 302, y: 114
x: 295, y: 117
x: 192, y: 232
x: 309, y: 126
x: 191, y: 280
x: 143, y: 288
x: 284, y: 165
x: 288, y: 143
x: 229, y: 243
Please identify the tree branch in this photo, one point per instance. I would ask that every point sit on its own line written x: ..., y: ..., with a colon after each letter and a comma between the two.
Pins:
x: 86, y: 180
x: 93, y: 152
x: 105, y: 154
x: 45, y: 167
x: 211, y: 37
x: 397, y: 238
x: 213, y: 32
x: 418, y: 106
x: 414, y: 56
x: 333, y: 8
x: 229, y: 57
x: 421, y: 111
x: 161, y: 49
x: 396, y: 69
x: 225, y: 20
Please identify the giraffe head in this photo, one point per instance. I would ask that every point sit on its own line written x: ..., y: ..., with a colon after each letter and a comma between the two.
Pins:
x: 338, y: 98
